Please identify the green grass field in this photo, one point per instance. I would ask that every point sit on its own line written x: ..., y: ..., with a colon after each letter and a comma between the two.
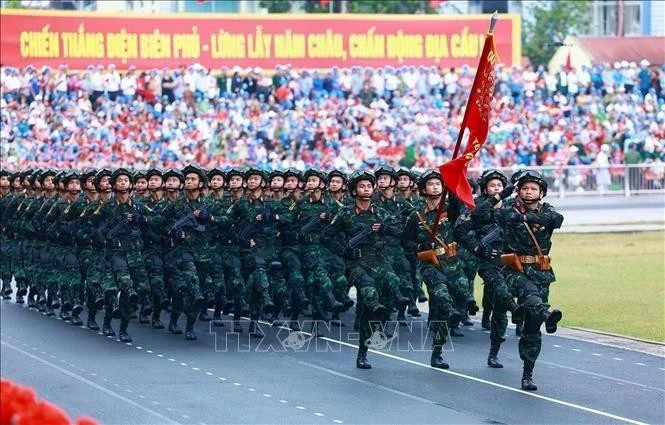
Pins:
x: 613, y: 282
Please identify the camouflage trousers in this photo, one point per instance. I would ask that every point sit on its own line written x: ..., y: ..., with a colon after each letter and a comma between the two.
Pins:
x: 67, y: 273
x: 94, y: 272
x: 498, y: 297
x: 184, y: 280
x: 319, y: 285
x: 5, y: 263
x: 402, y: 269
x: 531, y: 288
x: 295, y: 281
x: 441, y: 305
x: 336, y: 267
x: 457, y: 284
x: 264, y: 274
x: 375, y: 284
x: 234, y: 282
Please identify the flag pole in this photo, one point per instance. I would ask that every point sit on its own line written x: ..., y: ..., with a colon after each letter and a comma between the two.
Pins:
x: 439, y: 213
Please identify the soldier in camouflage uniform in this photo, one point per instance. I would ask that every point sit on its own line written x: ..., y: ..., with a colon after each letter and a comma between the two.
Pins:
x: 28, y: 231
x: 468, y: 259
x: 311, y: 212
x: 440, y: 267
x: 188, y: 217
x: 290, y: 252
x: 154, y: 241
x: 263, y: 271
x: 91, y: 254
x: 5, y: 265
x: 276, y: 184
x: 385, y: 197
x: 19, y: 254
x: 406, y: 182
x: 40, y: 243
x: 528, y: 225
x: 335, y: 260
x: 13, y: 241
x: 485, y: 241
x: 62, y: 218
x: 121, y: 228
x: 363, y: 228
x: 230, y: 247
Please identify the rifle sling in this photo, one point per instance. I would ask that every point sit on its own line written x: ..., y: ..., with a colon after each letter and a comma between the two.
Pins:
x: 429, y: 229
x: 533, y: 238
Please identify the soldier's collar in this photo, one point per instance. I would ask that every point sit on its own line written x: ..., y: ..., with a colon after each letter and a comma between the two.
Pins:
x: 360, y: 211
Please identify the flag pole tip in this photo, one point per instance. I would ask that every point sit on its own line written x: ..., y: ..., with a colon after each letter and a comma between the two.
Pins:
x: 493, y: 20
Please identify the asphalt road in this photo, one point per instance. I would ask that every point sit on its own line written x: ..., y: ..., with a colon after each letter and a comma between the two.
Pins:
x: 161, y: 378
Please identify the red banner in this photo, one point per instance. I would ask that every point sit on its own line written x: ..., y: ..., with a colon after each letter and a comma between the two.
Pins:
x: 476, y: 120
x: 304, y: 41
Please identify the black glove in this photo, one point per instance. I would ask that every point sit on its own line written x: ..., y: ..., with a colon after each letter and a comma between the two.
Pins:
x: 507, y: 191
x: 267, y: 216
x: 425, y: 246
x: 353, y: 253
x: 204, y: 215
x: 514, y: 216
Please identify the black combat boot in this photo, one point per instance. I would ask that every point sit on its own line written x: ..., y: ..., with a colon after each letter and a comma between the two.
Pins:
x: 422, y: 298
x: 454, y: 331
x: 203, y: 314
x: 466, y: 321
x: 485, y: 321
x: 155, y: 323
x: 492, y: 360
x: 332, y: 304
x: 255, y: 330
x: 132, y: 296
x: 32, y: 301
x: 437, y: 360
x: 227, y: 307
x: 92, y: 323
x: 6, y: 290
x: 361, y: 361
x: 303, y: 301
x: 471, y: 306
x: 527, y: 378
x: 401, y: 318
x: 107, y: 330
x: 268, y: 305
x: 77, y: 307
x: 76, y: 320
x: 144, y: 315
x: 413, y: 310
x: 190, y: 335
x: 123, y: 335
x: 217, y: 316
x: 173, y: 325
x: 551, y: 319
x: 347, y: 301
x: 400, y: 300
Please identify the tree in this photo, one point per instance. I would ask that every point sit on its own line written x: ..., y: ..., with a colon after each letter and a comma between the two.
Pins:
x: 276, y: 6
x: 550, y: 23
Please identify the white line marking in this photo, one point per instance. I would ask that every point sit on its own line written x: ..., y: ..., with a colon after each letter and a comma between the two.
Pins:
x: 661, y: 368
x: 283, y: 401
x: 160, y: 355
x: 596, y: 354
x: 616, y: 358
x: 170, y: 409
x: 208, y: 373
x: 267, y: 395
x: 557, y: 346
x: 640, y: 364
x: 195, y: 368
x: 237, y: 384
x: 577, y: 350
x: 185, y: 416
x: 139, y: 348
x: 155, y: 402
x: 149, y: 351
x: 171, y: 360
x: 222, y: 379
x: 183, y: 364
x: 128, y: 343
x: 92, y: 384
x: 318, y: 414
x: 141, y: 396
x: 337, y: 421
x: 301, y: 408
x: 494, y: 384
x: 251, y: 389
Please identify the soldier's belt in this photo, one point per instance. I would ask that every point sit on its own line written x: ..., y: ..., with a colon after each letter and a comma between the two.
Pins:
x: 369, y: 252
x: 515, y: 261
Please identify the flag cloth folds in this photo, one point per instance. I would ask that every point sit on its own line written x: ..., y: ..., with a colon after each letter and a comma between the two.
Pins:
x: 476, y: 120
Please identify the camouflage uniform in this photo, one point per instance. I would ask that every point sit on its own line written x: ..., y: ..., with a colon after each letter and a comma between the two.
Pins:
x: 530, y: 277
x: 368, y: 268
x: 5, y: 255
x: 445, y: 281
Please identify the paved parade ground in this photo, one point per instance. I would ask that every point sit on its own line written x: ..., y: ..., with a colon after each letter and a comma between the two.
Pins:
x: 161, y: 378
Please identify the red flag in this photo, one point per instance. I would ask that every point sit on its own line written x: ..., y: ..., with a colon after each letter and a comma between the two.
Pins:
x: 324, y: 3
x: 476, y: 120
x: 434, y: 4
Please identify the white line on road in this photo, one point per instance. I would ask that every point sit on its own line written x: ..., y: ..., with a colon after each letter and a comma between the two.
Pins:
x: 617, y: 358
x: 92, y: 384
x: 640, y: 364
x: 596, y: 354
x: 495, y: 384
x: 576, y: 349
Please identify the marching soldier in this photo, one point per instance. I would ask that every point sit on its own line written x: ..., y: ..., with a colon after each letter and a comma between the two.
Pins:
x: 154, y: 242
x: 528, y: 224
x: 363, y: 227
x: 5, y: 264
x: 440, y: 267
x: 140, y: 192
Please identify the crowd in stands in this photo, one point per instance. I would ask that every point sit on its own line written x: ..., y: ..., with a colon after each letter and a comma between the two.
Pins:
x: 342, y: 118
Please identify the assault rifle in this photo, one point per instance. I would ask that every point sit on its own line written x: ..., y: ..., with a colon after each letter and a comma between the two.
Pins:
x: 188, y: 221
x: 493, y: 234
x: 359, y: 237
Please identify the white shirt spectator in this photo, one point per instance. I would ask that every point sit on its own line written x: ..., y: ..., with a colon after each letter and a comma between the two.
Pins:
x: 128, y: 85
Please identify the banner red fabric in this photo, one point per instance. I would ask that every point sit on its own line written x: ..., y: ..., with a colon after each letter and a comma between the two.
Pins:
x: 312, y: 41
x: 476, y: 120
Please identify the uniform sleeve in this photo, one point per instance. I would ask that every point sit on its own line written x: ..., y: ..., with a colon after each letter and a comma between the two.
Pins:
x: 547, y: 217
x: 410, y: 237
